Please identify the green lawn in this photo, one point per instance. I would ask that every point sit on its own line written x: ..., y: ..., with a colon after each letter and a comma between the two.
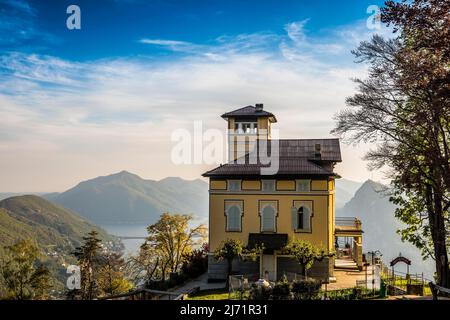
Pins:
x: 215, y: 294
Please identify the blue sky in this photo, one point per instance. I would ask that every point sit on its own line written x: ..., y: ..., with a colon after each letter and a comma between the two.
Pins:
x: 112, y: 28
x: 82, y: 103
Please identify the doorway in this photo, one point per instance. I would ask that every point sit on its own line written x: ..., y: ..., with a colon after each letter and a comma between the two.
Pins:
x: 268, y: 269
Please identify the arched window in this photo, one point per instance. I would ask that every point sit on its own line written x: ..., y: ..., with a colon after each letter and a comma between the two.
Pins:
x: 233, y: 214
x: 268, y: 216
x: 301, y: 218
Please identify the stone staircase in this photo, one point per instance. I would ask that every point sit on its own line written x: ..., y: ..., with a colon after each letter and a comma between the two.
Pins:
x: 345, y: 264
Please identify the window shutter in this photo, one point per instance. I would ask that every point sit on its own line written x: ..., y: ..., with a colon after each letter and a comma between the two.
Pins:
x: 268, y: 219
x: 234, y: 219
x: 294, y: 217
x: 306, y: 218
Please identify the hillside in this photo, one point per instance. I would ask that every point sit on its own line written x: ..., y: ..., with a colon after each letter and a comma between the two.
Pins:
x: 49, y: 225
x: 372, y: 206
x: 126, y: 198
x: 57, y: 231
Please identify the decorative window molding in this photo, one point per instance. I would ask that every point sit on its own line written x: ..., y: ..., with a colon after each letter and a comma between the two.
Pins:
x: 234, y: 210
x: 302, y: 214
x: 268, y: 185
x: 234, y: 185
x: 303, y: 185
x: 268, y: 212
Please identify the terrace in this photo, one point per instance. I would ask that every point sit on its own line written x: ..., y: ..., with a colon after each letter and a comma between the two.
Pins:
x: 348, y: 233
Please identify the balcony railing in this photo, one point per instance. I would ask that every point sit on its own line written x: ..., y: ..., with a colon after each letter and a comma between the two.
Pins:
x: 348, y: 223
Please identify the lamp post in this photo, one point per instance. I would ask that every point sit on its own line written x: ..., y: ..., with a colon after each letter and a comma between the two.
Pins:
x: 373, y: 254
x: 366, y: 264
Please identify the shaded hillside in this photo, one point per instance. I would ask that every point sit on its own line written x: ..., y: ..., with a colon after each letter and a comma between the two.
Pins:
x: 126, y: 198
x: 372, y: 206
x: 48, y: 224
x: 54, y: 229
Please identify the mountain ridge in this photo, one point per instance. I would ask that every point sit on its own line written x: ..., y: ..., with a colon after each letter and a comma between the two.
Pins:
x: 371, y: 205
x: 108, y: 199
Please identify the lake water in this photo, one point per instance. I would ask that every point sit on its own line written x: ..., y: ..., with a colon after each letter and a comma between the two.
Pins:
x: 124, y: 230
x: 138, y: 230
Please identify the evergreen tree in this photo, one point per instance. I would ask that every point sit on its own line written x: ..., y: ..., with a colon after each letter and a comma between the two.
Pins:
x: 89, y: 261
x: 21, y: 274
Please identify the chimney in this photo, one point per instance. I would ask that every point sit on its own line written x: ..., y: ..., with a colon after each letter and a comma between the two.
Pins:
x: 259, y: 107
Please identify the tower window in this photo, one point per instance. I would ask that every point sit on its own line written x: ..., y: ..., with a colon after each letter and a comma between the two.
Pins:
x: 245, y: 127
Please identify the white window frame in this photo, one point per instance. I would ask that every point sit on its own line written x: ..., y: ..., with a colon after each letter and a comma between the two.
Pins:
x: 239, y: 185
x: 229, y: 205
x: 294, y: 219
x: 268, y: 181
x: 274, y: 206
x: 297, y: 185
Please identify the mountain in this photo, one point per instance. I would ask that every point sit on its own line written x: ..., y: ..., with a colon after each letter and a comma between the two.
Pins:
x: 371, y: 205
x: 126, y: 198
x: 345, y: 190
x: 54, y: 229
x: 48, y: 224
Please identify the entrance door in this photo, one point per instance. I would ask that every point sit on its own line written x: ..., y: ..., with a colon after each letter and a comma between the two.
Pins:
x: 268, y: 267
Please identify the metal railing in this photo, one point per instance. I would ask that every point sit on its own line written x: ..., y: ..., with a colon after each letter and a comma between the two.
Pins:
x: 348, y: 222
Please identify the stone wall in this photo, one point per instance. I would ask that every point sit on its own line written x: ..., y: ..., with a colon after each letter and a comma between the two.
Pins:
x: 320, y: 269
x: 217, y: 270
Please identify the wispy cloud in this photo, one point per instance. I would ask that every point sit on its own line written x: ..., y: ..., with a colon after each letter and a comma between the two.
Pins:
x: 220, y: 47
x: 20, y: 5
x: 169, y: 43
x: 18, y: 28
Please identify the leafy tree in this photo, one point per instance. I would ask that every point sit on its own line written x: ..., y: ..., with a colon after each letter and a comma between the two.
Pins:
x: 89, y: 261
x: 231, y: 249
x: 20, y: 276
x: 196, y: 262
x: 172, y: 238
x: 404, y: 106
x: 145, y: 266
x: 41, y: 282
x: 111, y: 274
x: 305, y: 253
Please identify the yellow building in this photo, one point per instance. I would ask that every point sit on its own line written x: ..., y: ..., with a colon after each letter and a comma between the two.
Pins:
x: 256, y: 207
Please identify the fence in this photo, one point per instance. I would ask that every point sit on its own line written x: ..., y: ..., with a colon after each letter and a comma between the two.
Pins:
x: 147, y: 294
x: 348, y: 222
x: 400, y: 283
x: 239, y: 284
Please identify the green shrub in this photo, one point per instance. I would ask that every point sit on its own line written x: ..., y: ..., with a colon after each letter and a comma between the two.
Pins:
x: 306, y: 289
x: 260, y: 292
x: 281, y: 290
x: 195, y: 263
x: 351, y: 294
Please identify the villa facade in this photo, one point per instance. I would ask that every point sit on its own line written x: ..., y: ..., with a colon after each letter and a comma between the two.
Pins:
x: 296, y: 201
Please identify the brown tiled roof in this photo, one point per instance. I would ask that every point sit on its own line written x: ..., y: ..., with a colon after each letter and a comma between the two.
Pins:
x: 306, y: 148
x: 296, y: 157
x: 249, y: 112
